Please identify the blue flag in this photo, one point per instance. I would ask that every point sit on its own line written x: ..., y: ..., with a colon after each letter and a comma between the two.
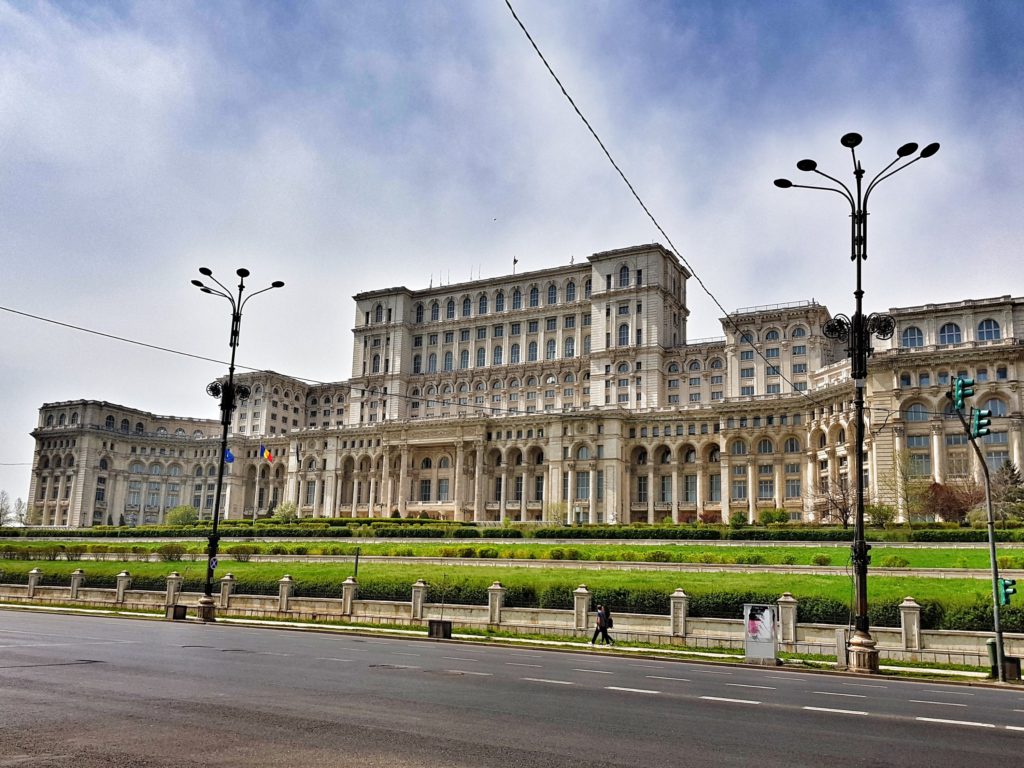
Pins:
x: 228, y: 456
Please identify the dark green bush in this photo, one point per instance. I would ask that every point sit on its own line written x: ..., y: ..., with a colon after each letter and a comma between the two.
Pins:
x: 894, y: 561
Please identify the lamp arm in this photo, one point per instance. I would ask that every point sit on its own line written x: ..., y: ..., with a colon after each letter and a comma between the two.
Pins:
x: 829, y: 189
x: 880, y: 178
x: 257, y: 293
x: 849, y: 194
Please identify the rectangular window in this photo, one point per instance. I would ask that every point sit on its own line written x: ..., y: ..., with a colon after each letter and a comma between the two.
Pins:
x: 772, y: 370
x: 694, y: 381
x: 690, y: 489
x: 673, y: 383
x: 771, y: 352
x: 442, y: 489
x: 695, y: 397
x: 641, y: 489
x: 799, y: 349
x: 773, y: 389
x: 532, y: 326
x: 310, y: 493
x: 746, y: 354
x: 716, y: 380
x: 799, y: 368
x: 799, y: 386
x: 498, y: 331
x: 449, y: 337
x: 569, y: 321
x: 583, y: 486
x: 515, y: 329
x: 716, y: 395
x: 425, y: 490
x: 714, y: 488
x: 673, y: 399
x: 623, y: 309
x: 538, y: 488
x: 765, y: 489
x: 746, y: 373
x: 739, y: 490
x: 417, y: 341
x: 665, y: 492
x: 792, y: 488
x: 746, y: 391
x: 481, y: 333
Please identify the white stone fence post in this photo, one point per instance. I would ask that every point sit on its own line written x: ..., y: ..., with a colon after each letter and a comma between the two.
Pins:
x: 495, y: 602
x: 77, y: 577
x: 419, y: 596
x: 173, y: 588
x: 679, y: 603
x: 581, y: 606
x: 124, y: 581
x: 33, y: 581
x: 284, y: 592
x: 349, y: 591
x: 227, y: 588
x: 910, y: 623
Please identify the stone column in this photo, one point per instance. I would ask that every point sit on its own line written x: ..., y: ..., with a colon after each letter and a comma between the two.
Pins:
x: 810, y: 472
x: 751, y: 490
x: 419, y: 596
x: 355, y: 496
x: 371, y: 506
x: 227, y: 588
x: 503, y: 500
x: 581, y: 606
x: 284, y: 592
x: 627, y: 494
x: 1016, y: 442
x: 570, y: 500
x: 592, y: 510
x: 349, y: 592
x: 723, y: 472
x: 787, y: 617
x: 938, y: 454
x: 701, y: 486
x: 460, y: 453
x: 495, y: 602
x: 385, y: 480
x: 675, y: 491
x: 77, y: 577
x: 779, y: 484
x: 33, y: 581
x: 478, y: 487
x: 650, y: 490
x: 680, y: 603
x: 173, y: 588
x: 910, y: 623
x: 403, y: 482
x: 124, y: 581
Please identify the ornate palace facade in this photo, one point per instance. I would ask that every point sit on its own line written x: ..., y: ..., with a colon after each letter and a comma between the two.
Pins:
x: 565, y: 393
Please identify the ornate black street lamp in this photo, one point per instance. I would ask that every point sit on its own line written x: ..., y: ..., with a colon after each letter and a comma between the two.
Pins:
x: 857, y: 331
x: 227, y: 394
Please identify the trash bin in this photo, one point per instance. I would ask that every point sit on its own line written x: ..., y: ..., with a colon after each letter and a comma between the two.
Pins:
x: 1011, y: 664
x: 993, y: 657
x: 176, y: 612
x: 440, y: 629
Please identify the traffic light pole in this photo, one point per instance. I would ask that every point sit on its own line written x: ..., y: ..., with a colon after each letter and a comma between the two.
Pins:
x: 1000, y: 665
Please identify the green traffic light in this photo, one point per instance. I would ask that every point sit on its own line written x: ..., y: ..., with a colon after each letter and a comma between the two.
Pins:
x: 962, y: 388
x: 1006, y: 589
x: 980, y: 422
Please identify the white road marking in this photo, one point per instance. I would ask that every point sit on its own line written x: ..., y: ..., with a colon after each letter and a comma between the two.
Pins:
x: 56, y: 645
x: 954, y: 722
x: 519, y: 664
x: 714, y: 672
x: 1015, y: 728
x: 466, y: 672
x: 330, y: 658
x: 848, y: 695
x: 593, y: 671
x: 628, y: 690
x: 940, y: 703
x: 732, y: 701
x: 836, y: 711
x: 648, y: 666
x: 273, y: 653
x: 947, y: 693
x: 542, y: 680
x: 403, y: 653
x: 781, y: 677
x: 865, y: 685
x: 680, y: 679
x: 458, y: 658
x: 744, y: 685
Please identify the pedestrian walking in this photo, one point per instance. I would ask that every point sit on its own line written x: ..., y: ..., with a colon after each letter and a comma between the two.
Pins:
x: 604, y: 622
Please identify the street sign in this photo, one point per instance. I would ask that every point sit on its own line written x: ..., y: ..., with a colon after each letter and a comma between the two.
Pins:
x: 213, y: 563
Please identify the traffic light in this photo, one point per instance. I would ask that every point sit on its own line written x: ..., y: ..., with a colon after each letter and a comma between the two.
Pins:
x: 980, y: 422
x: 1005, y: 590
x: 962, y: 388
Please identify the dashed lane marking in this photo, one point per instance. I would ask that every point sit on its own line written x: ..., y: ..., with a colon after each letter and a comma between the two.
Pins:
x: 330, y: 658
x: 744, y: 685
x: 593, y: 671
x: 865, y: 685
x: 940, y: 703
x: 629, y: 690
x: 731, y: 701
x: 520, y: 664
x: 947, y: 693
x: 836, y: 711
x: 467, y: 672
x: 847, y: 695
x: 955, y: 722
x: 680, y: 679
x: 458, y: 658
x: 543, y: 680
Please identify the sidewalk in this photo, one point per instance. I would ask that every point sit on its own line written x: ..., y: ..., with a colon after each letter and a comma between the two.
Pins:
x: 578, y: 646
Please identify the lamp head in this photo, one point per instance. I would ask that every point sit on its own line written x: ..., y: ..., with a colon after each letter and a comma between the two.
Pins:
x: 907, y: 149
x: 930, y: 150
x: 205, y: 271
x: 198, y: 283
x: 783, y: 183
x: 277, y: 284
x: 851, y: 140
x: 806, y: 165
x: 204, y: 289
x: 242, y: 272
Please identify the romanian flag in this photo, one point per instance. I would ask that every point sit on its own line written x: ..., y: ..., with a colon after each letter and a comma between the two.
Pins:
x: 266, y: 454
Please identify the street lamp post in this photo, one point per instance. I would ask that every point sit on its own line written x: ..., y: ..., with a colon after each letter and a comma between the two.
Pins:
x: 227, y: 394
x: 857, y: 331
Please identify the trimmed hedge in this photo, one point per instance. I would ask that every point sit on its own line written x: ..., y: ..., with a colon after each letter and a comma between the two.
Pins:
x: 630, y: 532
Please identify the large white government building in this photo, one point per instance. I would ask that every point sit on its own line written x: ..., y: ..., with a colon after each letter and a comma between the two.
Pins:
x: 565, y: 393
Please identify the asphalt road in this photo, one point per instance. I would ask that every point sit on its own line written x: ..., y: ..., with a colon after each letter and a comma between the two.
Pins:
x: 92, y: 691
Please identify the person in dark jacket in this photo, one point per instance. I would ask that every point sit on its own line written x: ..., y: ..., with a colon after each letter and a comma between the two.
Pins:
x: 604, y: 621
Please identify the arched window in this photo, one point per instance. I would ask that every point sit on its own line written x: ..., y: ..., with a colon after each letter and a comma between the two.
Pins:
x: 950, y: 334
x: 161, y: 432
x: 496, y: 356
x: 513, y: 384
x: 179, y: 432
x: 531, y: 352
x: 997, y: 406
x: 586, y: 289
x: 570, y: 291
x: 125, y: 425
x: 534, y: 297
x: 443, y: 463
x: 799, y: 332
x: 916, y: 412
x: 467, y: 307
x: 623, y: 335
x: 174, y: 471
x: 375, y: 367
x: 694, y: 365
x: 552, y: 294
x: 624, y: 276
x: 569, y: 378
x: 481, y: 357
x: 771, y: 335
x: 792, y: 445
x: 513, y: 354
x: 549, y: 349
x: 622, y: 368
x: 912, y: 337
x: 198, y: 472
x: 448, y: 361
x: 716, y: 364
x: 582, y: 453
x: 673, y: 367
x: 496, y: 384
x: 417, y: 364
x: 499, y: 302
x: 482, y: 305
x: 988, y: 330
x: 426, y: 463
x: 156, y: 469
x: 378, y: 313
x: 841, y: 437
x: 765, y: 446
x: 61, y: 420
x: 49, y: 420
x: 435, y: 311
x: 586, y: 345
x: 432, y: 363
x: 136, y: 468
x: 517, y: 299
x: 714, y: 455
x: 211, y: 471
x: 822, y: 441
x: 449, y: 311
x: 104, y: 464
x: 464, y: 359
x: 739, y: 448
x: 419, y: 313
x: 690, y: 456
x: 109, y: 423
x: 570, y: 347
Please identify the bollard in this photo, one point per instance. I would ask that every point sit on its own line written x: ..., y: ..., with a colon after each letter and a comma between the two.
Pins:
x: 787, y: 617
x: 173, y: 588
x: 77, y: 577
x: 495, y: 602
x: 910, y: 623
x: 349, y: 591
x: 679, y: 603
x: 419, y: 595
x: 124, y: 580
x: 227, y: 588
x: 33, y: 581
x: 284, y: 592
x: 581, y: 606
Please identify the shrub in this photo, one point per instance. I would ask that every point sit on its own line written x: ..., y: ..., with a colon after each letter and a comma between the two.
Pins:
x: 894, y: 561
x: 487, y: 552
x: 172, y: 551
x: 658, y: 556
x: 737, y: 519
x: 286, y: 512
x: 751, y: 559
x: 788, y: 560
x: 279, y: 549
x: 572, y: 554
x: 556, y: 553
x: 300, y: 549
x: 465, y: 533
x: 242, y: 552
x: 501, y: 533
x: 74, y: 552
x: 467, y: 552
x: 769, y: 516
x: 821, y: 559
x: 184, y: 514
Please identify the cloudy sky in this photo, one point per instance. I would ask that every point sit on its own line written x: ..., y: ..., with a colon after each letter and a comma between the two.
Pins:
x: 345, y: 146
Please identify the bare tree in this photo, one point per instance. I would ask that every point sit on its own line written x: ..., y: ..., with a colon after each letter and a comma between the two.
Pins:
x: 903, y: 486
x: 6, y: 512
x: 840, y: 502
x: 20, y: 511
